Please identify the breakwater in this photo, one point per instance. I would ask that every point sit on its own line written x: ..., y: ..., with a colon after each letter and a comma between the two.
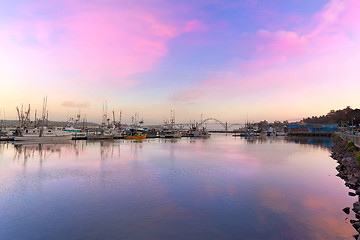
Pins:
x: 349, y: 171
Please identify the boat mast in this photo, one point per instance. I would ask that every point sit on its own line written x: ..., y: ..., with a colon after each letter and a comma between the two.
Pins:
x: 45, y: 114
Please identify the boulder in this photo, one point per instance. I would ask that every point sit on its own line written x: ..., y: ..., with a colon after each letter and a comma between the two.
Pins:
x: 346, y: 210
x: 352, y: 194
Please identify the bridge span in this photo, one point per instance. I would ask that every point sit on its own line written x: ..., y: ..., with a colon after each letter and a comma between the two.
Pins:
x: 226, y: 125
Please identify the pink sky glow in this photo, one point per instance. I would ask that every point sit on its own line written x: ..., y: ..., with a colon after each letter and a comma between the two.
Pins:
x: 192, y: 58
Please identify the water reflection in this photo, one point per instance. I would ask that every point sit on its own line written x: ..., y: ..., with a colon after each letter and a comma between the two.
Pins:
x: 321, y: 142
x: 313, y: 141
x: 217, y: 188
x: 41, y: 151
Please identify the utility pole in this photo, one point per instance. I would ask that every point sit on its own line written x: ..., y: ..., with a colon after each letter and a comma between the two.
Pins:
x: 352, y: 125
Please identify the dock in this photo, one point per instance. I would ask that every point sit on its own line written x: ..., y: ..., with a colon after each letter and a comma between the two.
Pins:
x: 4, y: 139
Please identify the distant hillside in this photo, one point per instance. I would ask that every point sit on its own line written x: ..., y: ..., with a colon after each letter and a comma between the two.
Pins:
x: 13, y: 123
x: 345, y: 115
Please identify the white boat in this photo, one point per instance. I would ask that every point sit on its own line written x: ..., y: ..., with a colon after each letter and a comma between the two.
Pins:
x: 43, y: 135
x: 76, y: 133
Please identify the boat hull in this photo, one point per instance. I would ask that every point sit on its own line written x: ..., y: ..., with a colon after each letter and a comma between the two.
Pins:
x: 135, y: 137
x: 100, y: 136
x: 43, y: 139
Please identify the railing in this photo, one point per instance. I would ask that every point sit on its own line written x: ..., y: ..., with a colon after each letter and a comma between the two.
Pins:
x: 351, y: 137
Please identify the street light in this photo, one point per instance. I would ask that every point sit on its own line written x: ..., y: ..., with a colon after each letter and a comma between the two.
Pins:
x: 352, y: 125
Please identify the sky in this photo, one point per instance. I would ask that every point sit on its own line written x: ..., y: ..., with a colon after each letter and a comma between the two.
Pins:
x: 223, y: 59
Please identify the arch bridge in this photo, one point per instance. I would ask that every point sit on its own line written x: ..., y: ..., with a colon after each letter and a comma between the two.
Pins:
x: 225, y: 125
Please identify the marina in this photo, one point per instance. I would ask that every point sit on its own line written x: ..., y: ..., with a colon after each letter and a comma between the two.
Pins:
x: 180, y: 120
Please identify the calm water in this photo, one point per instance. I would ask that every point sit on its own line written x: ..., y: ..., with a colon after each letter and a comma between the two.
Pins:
x: 217, y: 188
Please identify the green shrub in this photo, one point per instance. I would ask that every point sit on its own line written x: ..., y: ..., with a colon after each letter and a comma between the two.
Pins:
x: 334, y: 135
x: 350, y: 144
x: 358, y: 157
x: 352, y: 149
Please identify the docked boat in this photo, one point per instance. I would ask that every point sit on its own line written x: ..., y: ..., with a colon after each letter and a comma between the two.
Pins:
x: 134, y: 135
x: 100, y: 135
x: 170, y: 134
x: 198, y: 133
x: 4, y: 136
x: 43, y: 135
x: 77, y: 134
x: 201, y: 134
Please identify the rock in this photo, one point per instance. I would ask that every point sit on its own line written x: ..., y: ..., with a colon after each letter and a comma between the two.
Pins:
x: 356, y: 225
x: 346, y: 210
x: 358, y: 191
x: 357, y: 215
x: 353, y: 221
x: 352, y: 194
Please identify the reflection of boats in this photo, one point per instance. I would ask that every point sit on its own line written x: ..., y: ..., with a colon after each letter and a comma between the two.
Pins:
x: 314, y: 141
x: 27, y: 150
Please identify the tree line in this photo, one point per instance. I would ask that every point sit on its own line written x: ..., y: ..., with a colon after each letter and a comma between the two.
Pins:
x: 345, y: 116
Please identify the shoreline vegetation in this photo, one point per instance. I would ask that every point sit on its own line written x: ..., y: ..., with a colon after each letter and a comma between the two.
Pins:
x: 348, y: 157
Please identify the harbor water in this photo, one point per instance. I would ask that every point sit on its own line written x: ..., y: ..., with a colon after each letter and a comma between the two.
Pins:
x: 215, y: 188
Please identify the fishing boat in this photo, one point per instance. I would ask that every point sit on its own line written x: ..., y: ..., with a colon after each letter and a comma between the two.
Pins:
x: 136, y: 131
x: 170, y: 134
x: 169, y: 130
x: 39, y: 134
x: 201, y: 134
x: 43, y: 135
x: 136, y: 136
x: 198, y: 133
x: 78, y: 133
x: 106, y: 130
x: 103, y: 134
x: 4, y: 136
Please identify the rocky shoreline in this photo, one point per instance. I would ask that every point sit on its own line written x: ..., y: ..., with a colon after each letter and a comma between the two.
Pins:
x: 349, y: 171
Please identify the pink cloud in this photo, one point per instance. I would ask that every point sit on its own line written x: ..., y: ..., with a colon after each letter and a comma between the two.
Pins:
x: 330, y: 30
x: 194, y: 26
x: 280, y: 43
x: 187, y: 96
x: 99, y: 43
x: 298, y: 61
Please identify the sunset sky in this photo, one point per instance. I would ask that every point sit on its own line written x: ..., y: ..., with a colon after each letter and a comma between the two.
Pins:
x: 231, y: 60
